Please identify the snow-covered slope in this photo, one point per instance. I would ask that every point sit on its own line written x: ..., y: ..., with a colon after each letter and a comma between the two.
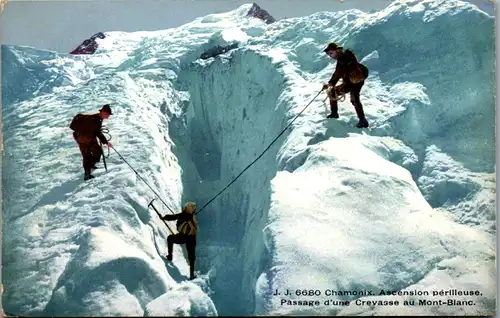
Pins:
x: 406, y: 205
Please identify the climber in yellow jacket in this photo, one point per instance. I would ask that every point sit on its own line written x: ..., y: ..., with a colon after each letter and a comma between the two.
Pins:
x: 188, y: 228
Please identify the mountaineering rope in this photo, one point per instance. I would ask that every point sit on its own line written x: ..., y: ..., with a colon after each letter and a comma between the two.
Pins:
x: 105, y: 130
x: 137, y: 173
x: 224, y: 189
x: 255, y: 160
x: 340, y: 98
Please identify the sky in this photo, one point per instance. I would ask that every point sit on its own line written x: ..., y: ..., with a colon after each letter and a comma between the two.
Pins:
x: 63, y: 25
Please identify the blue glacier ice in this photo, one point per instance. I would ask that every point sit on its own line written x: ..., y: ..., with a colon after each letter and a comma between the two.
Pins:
x: 407, y: 205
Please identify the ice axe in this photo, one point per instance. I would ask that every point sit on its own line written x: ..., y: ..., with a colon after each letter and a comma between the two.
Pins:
x: 104, y: 157
x: 159, y: 215
x: 104, y: 160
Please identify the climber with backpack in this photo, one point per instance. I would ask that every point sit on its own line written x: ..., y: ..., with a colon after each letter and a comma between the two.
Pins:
x: 188, y: 228
x: 87, y: 130
x: 353, y: 75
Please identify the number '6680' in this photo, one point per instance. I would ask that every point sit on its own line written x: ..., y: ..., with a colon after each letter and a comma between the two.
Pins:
x: 308, y: 292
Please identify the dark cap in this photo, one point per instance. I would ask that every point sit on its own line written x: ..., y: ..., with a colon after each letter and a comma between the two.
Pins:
x: 332, y: 47
x: 106, y: 109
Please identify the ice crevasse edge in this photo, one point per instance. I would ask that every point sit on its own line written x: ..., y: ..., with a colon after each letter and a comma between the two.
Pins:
x: 342, y: 213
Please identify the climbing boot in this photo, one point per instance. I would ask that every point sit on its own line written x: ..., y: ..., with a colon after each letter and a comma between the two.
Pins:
x: 169, y: 257
x: 363, y: 123
x: 87, y: 174
x: 334, y: 109
x: 191, y: 274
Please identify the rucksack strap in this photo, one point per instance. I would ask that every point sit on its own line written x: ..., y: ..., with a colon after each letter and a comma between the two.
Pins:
x: 188, y: 227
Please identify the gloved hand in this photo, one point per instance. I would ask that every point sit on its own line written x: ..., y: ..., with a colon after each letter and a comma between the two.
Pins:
x: 110, y: 145
x: 325, y: 86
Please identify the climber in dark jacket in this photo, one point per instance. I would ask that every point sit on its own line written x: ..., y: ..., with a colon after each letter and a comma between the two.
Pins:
x: 87, y: 130
x: 353, y: 75
x: 188, y: 228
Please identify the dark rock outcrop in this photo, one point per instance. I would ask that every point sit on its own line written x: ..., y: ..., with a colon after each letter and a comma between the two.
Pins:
x: 217, y: 50
x: 89, y: 46
x: 257, y: 12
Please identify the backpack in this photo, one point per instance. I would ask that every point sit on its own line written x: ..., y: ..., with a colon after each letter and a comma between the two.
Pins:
x: 188, y: 227
x: 357, y: 71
